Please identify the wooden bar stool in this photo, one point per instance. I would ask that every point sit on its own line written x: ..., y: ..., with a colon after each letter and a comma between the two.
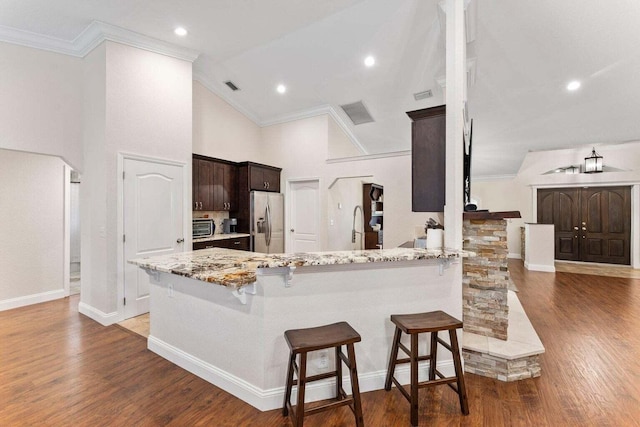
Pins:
x: 415, y: 324
x: 302, y: 341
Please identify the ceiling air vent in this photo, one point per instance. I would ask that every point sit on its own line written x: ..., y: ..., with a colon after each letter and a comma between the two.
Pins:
x: 357, y: 112
x: 231, y: 85
x: 423, y: 95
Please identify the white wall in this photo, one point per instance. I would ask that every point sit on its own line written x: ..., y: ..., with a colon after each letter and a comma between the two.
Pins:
x: 519, y: 193
x: 343, y: 197
x: 140, y: 103
x: 300, y: 148
x: 32, y: 228
x: 41, y: 102
x: 339, y: 144
x: 505, y: 195
x: 221, y: 131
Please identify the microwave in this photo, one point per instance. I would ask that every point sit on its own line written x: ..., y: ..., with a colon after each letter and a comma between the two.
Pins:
x: 203, y: 227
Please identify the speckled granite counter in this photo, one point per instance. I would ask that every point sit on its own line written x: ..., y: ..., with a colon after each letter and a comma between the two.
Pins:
x: 235, y: 269
x: 221, y: 313
x: 220, y: 237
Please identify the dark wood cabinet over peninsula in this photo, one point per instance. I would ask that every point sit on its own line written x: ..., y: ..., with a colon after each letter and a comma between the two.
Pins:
x: 428, y: 162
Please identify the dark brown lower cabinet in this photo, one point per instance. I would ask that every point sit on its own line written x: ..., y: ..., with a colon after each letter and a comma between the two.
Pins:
x: 592, y: 224
x: 238, y: 243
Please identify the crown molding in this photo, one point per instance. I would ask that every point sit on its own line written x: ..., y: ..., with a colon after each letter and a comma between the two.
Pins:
x: 370, y: 157
x: 313, y: 112
x: 220, y: 91
x: 492, y: 178
x: 95, y: 33
x: 37, y: 41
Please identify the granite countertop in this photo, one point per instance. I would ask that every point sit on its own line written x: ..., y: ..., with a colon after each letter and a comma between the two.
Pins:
x: 235, y: 269
x: 220, y: 237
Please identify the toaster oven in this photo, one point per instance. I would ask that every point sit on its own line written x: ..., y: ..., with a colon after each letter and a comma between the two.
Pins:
x: 203, y: 227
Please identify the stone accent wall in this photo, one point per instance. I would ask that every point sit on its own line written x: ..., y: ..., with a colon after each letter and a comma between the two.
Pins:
x: 500, y: 368
x: 485, y: 278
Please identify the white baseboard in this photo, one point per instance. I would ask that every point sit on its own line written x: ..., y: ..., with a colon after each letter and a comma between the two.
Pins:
x: 8, y: 304
x: 101, y: 317
x: 540, y: 267
x: 266, y: 400
x: 514, y: 255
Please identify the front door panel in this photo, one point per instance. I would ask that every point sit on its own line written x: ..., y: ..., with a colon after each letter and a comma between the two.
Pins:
x: 591, y: 224
x: 606, y: 214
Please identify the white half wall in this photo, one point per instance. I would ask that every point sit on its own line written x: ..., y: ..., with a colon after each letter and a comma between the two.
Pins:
x: 41, y: 102
x: 32, y: 226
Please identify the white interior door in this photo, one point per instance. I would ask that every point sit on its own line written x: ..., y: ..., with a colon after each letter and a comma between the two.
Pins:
x: 304, y: 213
x: 153, y: 223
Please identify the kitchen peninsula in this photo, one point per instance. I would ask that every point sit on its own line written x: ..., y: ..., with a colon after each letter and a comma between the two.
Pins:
x: 221, y: 314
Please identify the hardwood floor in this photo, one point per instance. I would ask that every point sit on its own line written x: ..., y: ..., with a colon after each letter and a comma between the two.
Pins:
x: 57, y: 367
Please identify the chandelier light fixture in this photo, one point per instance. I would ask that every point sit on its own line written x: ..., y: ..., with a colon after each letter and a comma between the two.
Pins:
x: 593, y: 163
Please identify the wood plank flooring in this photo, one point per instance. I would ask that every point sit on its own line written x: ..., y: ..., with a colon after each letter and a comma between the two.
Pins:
x: 59, y: 368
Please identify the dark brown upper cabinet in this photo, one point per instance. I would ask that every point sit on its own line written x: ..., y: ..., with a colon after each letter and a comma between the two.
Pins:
x: 254, y: 176
x: 202, y: 183
x: 261, y: 177
x: 428, y: 162
x: 225, y: 188
x: 215, y: 184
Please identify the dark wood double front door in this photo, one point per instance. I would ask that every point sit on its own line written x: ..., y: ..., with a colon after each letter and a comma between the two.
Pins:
x: 592, y: 224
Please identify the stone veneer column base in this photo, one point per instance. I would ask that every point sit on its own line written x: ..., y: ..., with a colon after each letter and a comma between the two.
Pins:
x: 502, y: 369
x: 517, y: 358
x: 485, y: 278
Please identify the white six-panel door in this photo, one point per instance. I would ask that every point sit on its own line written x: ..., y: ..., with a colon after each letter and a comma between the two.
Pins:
x: 153, y: 223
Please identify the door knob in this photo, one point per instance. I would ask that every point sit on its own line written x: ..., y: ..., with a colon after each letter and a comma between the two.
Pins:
x: 292, y: 230
x: 575, y: 228
x: 180, y: 240
x: 584, y: 228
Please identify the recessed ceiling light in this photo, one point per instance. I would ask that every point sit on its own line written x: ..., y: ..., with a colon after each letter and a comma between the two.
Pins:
x: 281, y: 88
x: 574, y: 85
x: 180, y: 31
x: 369, y: 61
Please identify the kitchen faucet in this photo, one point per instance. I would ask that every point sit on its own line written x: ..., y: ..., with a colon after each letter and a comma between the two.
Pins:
x: 353, y: 229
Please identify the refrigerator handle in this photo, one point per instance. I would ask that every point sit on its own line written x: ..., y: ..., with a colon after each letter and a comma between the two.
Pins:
x: 268, y: 221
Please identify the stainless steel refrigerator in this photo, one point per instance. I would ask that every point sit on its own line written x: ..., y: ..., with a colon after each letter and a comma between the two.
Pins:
x: 267, y: 222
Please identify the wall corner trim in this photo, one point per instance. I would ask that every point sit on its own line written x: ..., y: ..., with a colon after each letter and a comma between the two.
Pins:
x: 105, y: 319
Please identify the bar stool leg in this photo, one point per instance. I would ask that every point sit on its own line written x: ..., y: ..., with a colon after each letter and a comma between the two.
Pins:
x: 462, y: 392
x: 287, y: 391
x: 355, y: 388
x: 433, y: 353
x: 393, y: 358
x: 302, y: 378
x: 338, y: 373
x: 414, y: 380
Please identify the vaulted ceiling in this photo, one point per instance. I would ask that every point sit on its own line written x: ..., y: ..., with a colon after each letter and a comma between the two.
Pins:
x: 525, y: 53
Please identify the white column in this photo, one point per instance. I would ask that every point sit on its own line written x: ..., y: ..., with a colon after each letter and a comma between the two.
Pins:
x: 454, y: 97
